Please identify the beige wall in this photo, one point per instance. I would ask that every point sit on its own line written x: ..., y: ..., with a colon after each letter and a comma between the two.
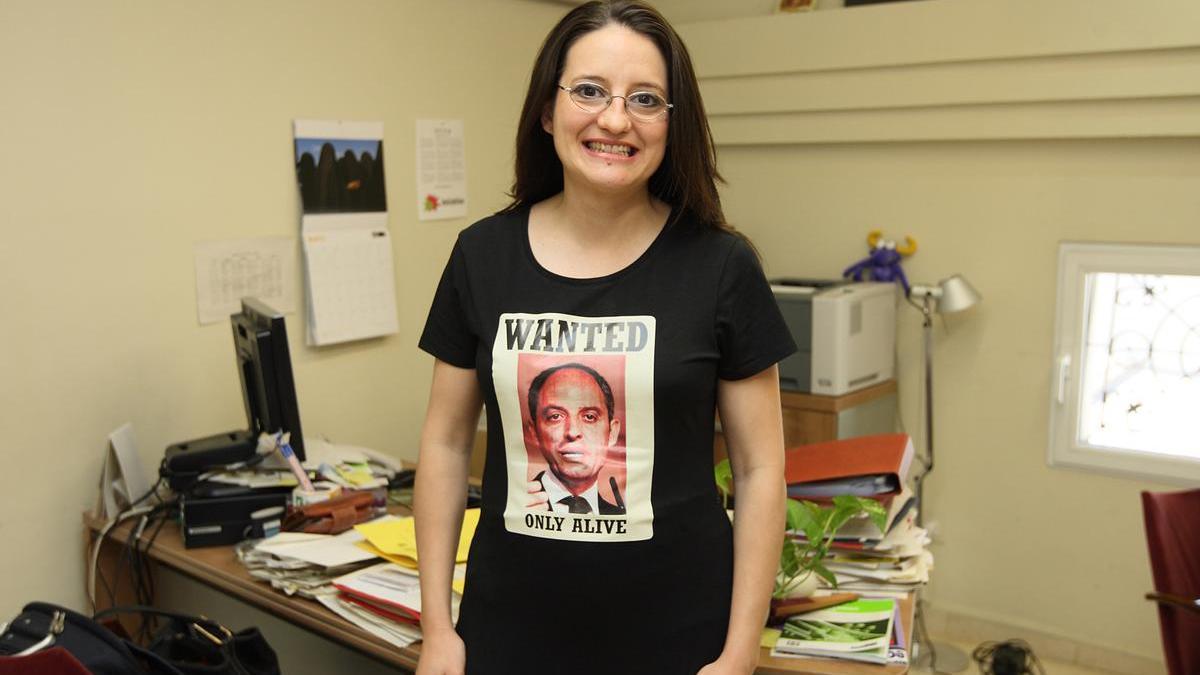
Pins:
x: 988, y: 132
x: 133, y: 130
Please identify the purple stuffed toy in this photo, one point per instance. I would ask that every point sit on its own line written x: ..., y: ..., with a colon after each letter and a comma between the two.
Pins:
x: 883, y: 263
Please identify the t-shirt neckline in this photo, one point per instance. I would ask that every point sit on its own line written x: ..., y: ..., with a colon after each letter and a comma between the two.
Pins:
x: 638, y: 262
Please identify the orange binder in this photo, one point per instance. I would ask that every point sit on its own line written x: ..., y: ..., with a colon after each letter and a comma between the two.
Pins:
x: 877, y: 455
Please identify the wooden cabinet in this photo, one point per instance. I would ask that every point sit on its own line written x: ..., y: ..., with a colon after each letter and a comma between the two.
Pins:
x: 809, y: 418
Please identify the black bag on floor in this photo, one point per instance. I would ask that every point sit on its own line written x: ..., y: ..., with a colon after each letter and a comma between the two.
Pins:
x: 42, y: 625
x: 196, y: 645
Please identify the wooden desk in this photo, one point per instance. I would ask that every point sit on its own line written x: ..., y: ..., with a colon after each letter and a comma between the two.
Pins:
x: 218, y: 568
x: 812, y: 418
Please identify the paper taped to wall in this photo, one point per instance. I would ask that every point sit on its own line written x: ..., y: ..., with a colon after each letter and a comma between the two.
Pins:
x: 348, y: 268
x: 232, y: 269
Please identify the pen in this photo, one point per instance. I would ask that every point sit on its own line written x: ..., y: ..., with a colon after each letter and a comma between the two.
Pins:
x: 285, y: 449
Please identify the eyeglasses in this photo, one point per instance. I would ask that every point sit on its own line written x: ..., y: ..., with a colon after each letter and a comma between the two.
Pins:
x: 644, y: 106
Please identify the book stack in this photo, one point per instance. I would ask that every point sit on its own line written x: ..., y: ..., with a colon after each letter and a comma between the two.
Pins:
x: 866, y: 630
x: 893, y: 561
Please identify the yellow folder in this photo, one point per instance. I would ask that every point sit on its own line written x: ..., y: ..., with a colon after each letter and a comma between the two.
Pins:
x: 396, y: 540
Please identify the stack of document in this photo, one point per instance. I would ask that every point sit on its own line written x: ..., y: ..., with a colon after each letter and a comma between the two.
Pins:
x: 304, y: 564
x: 385, y: 599
x: 863, y: 630
x: 865, y: 559
x: 345, y: 574
x: 893, y: 564
x: 352, y: 467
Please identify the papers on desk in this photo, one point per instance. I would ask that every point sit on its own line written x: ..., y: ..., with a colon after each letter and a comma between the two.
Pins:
x: 393, y: 632
x: 304, y: 564
x: 385, y: 600
x: 862, y: 630
x: 350, y: 466
x: 255, y: 478
x: 318, y: 549
x: 396, y: 539
x: 344, y: 574
x: 389, y: 590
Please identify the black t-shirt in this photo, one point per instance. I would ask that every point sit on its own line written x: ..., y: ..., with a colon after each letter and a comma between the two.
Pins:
x: 603, y: 391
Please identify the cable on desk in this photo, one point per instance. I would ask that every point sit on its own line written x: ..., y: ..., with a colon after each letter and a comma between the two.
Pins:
x: 134, y: 556
x: 95, y: 556
x: 124, y: 559
x: 149, y: 596
x: 132, y: 511
x: 140, y: 565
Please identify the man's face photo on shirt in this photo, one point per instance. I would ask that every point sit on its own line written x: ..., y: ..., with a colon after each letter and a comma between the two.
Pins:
x: 573, y: 426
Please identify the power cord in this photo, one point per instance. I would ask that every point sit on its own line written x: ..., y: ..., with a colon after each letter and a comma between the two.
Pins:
x: 1011, y: 657
x: 921, y: 636
x: 95, y: 557
x: 132, y: 511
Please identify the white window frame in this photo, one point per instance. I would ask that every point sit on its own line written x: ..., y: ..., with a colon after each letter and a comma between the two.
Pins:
x: 1075, y: 261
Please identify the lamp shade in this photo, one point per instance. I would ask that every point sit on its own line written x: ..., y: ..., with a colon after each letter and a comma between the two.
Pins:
x: 957, y: 295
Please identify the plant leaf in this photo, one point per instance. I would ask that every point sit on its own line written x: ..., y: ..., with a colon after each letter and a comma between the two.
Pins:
x: 723, y: 473
x: 841, y: 514
x: 861, y: 505
x: 819, y: 525
x: 796, y: 516
x: 789, y: 559
x: 812, y: 521
x: 824, y: 573
x: 876, y: 513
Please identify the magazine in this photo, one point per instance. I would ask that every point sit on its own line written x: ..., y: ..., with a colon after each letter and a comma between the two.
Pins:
x: 860, y: 630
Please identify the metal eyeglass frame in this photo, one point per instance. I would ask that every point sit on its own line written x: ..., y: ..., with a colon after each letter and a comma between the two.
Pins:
x: 611, y: 96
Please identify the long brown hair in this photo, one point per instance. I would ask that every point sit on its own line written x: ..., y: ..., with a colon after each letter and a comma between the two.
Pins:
x: 687, y: 177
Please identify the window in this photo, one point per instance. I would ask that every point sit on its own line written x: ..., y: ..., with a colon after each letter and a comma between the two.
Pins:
x: 1126, y: 390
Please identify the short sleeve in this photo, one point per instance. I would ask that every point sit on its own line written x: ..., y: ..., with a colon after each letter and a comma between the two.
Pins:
x: 751, y: 333
x: 448, y: 335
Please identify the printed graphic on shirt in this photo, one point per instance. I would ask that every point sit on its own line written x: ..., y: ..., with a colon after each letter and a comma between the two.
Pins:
x: 576, y: 398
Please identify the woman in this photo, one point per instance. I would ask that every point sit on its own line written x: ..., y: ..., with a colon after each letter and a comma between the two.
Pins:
x: 601, y: 319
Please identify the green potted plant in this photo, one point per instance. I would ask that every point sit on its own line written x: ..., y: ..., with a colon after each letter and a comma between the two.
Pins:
x: 798, y: 562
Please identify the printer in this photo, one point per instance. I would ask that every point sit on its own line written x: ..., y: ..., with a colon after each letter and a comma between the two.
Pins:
x: 845, y: 334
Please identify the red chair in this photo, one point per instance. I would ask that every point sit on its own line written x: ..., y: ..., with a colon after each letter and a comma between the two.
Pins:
x: 53, y: 661
x: 1173, y: 534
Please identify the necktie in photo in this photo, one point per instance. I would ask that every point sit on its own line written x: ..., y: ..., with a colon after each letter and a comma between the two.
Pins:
x: 576, y: 504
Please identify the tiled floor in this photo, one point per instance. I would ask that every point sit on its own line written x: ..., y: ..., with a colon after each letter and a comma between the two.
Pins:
x: 1050, y: 667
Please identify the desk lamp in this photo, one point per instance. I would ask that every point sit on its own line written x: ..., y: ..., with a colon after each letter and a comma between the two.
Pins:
x: 950, y: 295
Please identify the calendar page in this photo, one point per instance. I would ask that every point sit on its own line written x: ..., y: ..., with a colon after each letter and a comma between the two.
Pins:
x: 351, y: 284
x: 348, y: 270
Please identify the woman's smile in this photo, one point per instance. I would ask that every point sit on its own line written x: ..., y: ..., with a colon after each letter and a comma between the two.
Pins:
x: 609, y: 150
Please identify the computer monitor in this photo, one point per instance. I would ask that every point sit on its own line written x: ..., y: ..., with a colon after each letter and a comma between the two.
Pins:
x: 265, y: 369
